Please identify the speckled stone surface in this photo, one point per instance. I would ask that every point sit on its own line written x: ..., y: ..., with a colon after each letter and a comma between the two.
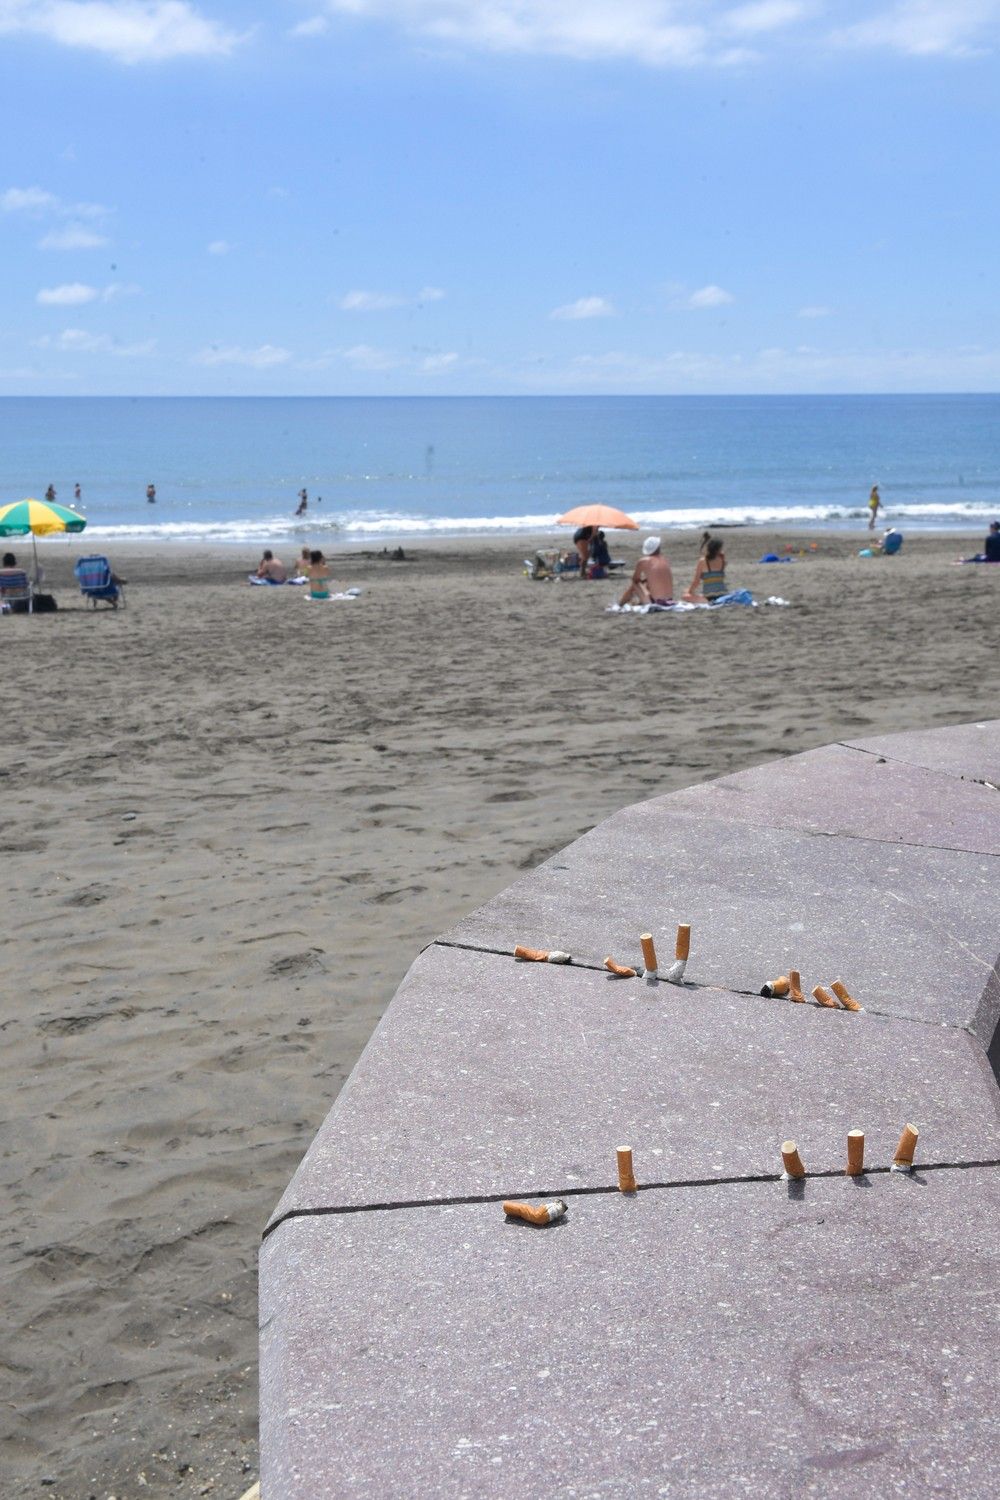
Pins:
x: 910, y: 931
x: 491, y: 1076
x: 739, y: 1340
x: 964, y: 750
x: 853, y: 794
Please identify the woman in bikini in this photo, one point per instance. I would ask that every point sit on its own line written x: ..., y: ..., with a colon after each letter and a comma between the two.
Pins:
x: 319, y: 576
x: 709, y: 581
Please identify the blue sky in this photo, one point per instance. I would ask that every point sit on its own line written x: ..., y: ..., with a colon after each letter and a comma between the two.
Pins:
x: 452, y: 197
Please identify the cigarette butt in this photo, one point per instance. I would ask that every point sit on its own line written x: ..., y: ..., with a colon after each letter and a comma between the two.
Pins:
x: 847, y: 1000
x: 530, y: 955
x: 648, y: 952
x: 823, y: 997
x: 795, y: 987
x: 855, y: 1153
x: 535, y: 1213
x: 907, y: 1146
x: 779, y: 986
x: 622, y: 970
x: 558, y: 957
x: 682, y: 947
x: 626, y: 1176
x: 791, y: 1160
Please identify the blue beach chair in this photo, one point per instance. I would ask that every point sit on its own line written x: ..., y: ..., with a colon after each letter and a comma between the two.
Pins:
x: 97, y: 582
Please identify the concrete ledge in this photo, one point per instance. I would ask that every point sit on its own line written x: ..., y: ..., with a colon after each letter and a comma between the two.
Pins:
x: 719, y: 1332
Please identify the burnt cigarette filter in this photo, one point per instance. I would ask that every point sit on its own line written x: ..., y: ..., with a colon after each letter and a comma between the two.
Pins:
x: 791, y: 1160
x: 648, y: 952
x: 847, y: 1000
x: 535, y: 1213
x: 557, y: 956
x: 622, y: 970
x: 823, y: 997
x: 530, y: 955
x: 779, y: 986
x: 626, y: 1176
x: 855, y: 1153
x: 795, y: 987
x: 682, y: 947
x: 907, y: 1147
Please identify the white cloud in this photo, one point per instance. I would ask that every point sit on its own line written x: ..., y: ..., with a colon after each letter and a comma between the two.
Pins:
x: 435, y: 364
x: 683, y: 33
x: 219, y: 247
x: 70, y: 294
x: 709, y: 296
x: 765, y: 15
x: 370, y: 301
x: 817, y: 311
x: 924, y: 28
x: 358, y: 301
x: 365, y: 357
x: 262, y: 358
x: 36, y: 203
x: 772, y: 370
x: 583, y: 307
x: 130, y: 31
x: 314, y: 26
x: 80, y: 341
x: 32, y: 200
x: 76, y: 293
x: 74, y: 237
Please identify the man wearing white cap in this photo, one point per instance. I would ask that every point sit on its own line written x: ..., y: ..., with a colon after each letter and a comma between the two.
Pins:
x: 652, y: 580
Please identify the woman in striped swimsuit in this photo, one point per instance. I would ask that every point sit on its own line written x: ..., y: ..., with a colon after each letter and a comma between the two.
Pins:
x: 709, y: 581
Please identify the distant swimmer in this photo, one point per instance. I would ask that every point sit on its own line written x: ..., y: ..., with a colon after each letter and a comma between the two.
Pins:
x: 874, y: 502
x: 50, y: 493
x: 303, y: 502
x: 77, y: 492
x: 151, y: 493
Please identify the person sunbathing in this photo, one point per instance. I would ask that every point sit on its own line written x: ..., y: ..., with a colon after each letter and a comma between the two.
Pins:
x: 271, y: 569
x: 709, y: 581
x: 652, y: 580
x: 319, y: 576
x: 991, y: 547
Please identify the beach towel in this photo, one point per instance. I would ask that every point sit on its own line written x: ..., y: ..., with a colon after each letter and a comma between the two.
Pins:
x: 347, y: 594
x: 742, y: 596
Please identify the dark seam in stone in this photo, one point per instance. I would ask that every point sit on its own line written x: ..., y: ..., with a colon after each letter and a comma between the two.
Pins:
x: 914, y: 766
x: 478, y: 1199
x: 694, y: 986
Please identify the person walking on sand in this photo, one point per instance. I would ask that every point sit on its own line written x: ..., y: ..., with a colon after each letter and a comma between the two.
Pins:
x: 874, y: 503
x: 652, y: 580
x: 151, y: 493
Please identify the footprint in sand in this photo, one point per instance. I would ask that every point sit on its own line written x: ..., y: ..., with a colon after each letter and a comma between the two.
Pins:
x: 294, y: 964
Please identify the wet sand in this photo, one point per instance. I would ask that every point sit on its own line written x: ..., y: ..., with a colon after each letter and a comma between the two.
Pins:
x: 232, y: 817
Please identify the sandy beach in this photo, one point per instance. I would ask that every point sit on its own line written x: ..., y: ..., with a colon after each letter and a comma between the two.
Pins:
x: 231, y: 819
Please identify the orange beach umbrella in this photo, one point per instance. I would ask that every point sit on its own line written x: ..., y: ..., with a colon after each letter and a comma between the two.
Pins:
x: 598, y: 515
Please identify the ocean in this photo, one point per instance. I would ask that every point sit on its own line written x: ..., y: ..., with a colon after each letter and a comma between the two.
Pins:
x: 386, y: 469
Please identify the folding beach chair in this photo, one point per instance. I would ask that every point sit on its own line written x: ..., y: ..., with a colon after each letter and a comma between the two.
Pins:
x: 15, y: 588
x: 97, y: 581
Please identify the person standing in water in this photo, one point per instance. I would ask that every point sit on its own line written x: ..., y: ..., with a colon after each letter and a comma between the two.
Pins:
x: 303, y: 502
x: 151, y: 493
x: 50, y: 493
x: 77, y: 493
x: 874, y: 502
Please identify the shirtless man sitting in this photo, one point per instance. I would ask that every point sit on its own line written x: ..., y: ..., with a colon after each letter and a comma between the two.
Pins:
x: 652, y: 580
x: 272, y: 568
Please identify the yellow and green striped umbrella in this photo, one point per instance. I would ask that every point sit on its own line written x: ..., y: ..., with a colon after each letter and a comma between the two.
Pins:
x: 40, y: 517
